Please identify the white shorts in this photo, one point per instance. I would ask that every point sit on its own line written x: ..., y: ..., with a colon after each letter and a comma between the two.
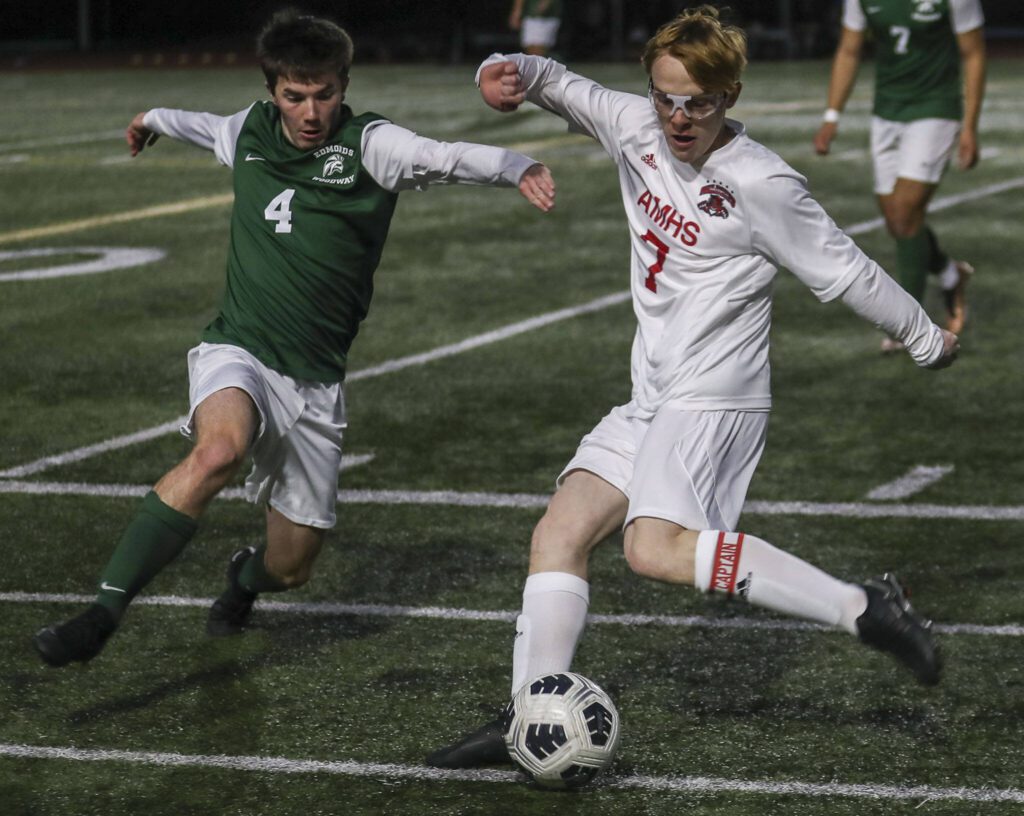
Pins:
x: 918, y: 150
x: 297, y: 450
x: 692, y: 468
x: 542, y: 31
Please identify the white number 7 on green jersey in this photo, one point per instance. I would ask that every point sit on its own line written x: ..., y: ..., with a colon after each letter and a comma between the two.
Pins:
x: 278, y: 210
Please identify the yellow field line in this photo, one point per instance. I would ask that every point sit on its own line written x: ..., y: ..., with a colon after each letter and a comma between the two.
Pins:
x: 117, y: 218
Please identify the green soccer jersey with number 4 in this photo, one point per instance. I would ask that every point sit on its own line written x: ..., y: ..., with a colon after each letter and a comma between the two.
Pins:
x: 918, y: 61
x: 307, y: 232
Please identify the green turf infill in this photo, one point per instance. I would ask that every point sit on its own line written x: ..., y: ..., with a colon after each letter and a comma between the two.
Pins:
x: 470, y: 343
x: 682, y: 784
x: 864, y: 510
x: 325, y: 608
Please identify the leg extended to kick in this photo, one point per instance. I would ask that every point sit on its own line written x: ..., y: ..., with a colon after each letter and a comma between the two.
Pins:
x: 164, y: 524
x: 741, y: 565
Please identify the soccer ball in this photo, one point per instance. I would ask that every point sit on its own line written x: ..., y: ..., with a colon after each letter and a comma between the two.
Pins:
x: 561, y: 730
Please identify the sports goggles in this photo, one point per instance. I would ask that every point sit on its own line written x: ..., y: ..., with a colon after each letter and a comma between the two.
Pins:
x: 700, y: 106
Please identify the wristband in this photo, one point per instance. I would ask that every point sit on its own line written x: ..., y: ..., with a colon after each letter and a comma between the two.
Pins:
x: 831, y: 116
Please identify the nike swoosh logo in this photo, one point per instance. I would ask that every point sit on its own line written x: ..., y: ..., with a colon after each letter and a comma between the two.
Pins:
x: 250, y: 157
x: 105, y: 585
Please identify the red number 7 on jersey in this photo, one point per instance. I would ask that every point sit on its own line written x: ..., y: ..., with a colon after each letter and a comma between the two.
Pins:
x: 659, y: 262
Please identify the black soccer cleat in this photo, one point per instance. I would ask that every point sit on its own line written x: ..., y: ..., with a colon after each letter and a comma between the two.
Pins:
x: 231, y: 610
x: 81, y: 638
x: 891, y: 625
x: 485, y: 746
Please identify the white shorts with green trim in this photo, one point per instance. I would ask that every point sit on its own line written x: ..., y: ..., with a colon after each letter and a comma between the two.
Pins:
x: 918, y: 150
x: 297, y: 449
x: 692, y: 468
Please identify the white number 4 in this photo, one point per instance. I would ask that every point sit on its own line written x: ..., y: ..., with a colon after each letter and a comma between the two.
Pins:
x: 902, y: 35
x: 278, y: 210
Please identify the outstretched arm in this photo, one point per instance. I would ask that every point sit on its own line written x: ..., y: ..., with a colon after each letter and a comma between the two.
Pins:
x: 972, y: 56
x: 205, y: 130
x: 399, y: 159
x: 844, y: 74
x: 792, y: 229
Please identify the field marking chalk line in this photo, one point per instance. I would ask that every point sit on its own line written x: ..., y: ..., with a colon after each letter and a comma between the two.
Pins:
x: 395, y: 771
x: 911, y: 482
x: 529, y: 501
x: 334, y: 609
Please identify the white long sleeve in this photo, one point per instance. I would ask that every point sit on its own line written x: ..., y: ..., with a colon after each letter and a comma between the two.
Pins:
x: 399, y: 159
x: 876, y: 297
x: 206, y: 130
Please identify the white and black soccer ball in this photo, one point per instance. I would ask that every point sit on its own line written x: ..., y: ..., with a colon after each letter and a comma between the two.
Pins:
x: 561, y: 730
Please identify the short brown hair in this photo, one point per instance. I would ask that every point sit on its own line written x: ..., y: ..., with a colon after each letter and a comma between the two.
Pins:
x: 714, y: 54
x: 301, y: 47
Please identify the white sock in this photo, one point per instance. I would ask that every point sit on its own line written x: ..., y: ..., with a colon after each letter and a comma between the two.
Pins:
x: 554, y: 613
x: 738, y: 564
x: 950, y: 276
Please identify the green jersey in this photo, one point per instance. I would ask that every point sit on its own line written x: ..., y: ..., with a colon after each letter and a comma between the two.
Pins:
x: 918, y: 60
x: 307, y: 232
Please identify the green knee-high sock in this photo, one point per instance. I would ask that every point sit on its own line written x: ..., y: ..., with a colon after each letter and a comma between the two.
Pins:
x: 153, y: 539
x: 254, y: 576
x: 913, y: 256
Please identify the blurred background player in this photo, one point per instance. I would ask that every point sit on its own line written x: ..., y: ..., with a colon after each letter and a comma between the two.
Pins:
x: 537, y: 22
x: 922, y: 115
x: 315, y: 188
x: 712, y: 214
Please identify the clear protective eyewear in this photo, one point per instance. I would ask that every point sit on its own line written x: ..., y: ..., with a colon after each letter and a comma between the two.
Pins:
x: 697, y: 107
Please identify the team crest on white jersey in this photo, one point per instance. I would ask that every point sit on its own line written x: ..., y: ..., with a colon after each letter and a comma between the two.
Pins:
x: 334, y: 164
x: 718, y: 196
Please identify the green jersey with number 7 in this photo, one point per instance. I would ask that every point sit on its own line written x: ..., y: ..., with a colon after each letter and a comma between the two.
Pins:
x: 917, y: 73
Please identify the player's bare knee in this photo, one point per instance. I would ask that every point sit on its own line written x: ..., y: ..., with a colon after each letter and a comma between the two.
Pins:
x: 217, y: 459
x: 292, y: 574
x: 555, y: 539
x: 642, y: 557
x: 903, y: 221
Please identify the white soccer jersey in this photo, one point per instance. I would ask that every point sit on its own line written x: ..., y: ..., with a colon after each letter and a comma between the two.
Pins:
x: 706, y: 243
x: 395, y: 157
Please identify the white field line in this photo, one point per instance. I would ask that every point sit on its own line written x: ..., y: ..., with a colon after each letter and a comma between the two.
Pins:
x: 493, y: 336
x: 393, y: 771
x: 911, y: 482
x: 331, y: 609
x: 527, y: 501
x: 470, y: 343
x: 945, y: 203
x: 81, y: 138
x: 157, y: 211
